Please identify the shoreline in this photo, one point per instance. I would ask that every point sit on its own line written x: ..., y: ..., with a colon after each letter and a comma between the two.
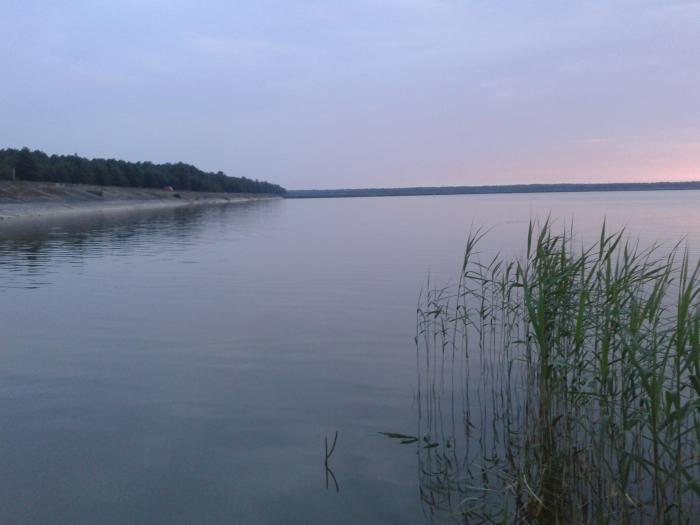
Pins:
x: 504, y: 189
x: 26, y: 201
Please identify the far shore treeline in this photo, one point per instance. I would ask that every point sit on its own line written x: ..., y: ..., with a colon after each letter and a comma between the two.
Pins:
x: 38, y: 166
x: 482, y: 190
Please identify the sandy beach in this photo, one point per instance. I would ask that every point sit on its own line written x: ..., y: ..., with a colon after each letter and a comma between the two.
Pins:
x: 26, y: 201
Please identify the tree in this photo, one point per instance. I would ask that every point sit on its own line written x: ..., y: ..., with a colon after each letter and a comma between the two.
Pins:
x: 36, y: 165
x: 26, y: 166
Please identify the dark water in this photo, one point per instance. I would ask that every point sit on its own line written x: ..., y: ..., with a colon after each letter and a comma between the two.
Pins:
x: 185, y: 366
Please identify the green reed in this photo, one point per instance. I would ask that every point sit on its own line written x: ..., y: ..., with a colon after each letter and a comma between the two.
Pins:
x: 563, y: 386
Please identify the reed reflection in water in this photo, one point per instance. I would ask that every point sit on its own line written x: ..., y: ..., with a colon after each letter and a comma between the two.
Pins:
x: 561, y: 387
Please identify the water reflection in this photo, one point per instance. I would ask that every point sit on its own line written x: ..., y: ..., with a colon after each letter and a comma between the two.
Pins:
x: 329, y: 449
x: 539, y: 387
x: 29, y: 249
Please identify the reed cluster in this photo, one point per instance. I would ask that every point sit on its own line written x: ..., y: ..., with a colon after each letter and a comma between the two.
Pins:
x: 563, y: 386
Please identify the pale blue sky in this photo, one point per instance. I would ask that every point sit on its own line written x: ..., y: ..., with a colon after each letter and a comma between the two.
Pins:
x: 359, y: 93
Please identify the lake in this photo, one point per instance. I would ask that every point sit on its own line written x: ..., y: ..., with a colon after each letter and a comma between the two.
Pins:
x: 186, y: 366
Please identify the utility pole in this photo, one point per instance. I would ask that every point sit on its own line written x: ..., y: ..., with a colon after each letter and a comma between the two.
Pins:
x: 13, y: 174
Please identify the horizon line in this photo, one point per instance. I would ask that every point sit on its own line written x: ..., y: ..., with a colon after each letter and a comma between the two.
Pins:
x: 496, y: 188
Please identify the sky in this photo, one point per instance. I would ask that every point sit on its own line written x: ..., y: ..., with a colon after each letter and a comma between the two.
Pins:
x: 360, y: 93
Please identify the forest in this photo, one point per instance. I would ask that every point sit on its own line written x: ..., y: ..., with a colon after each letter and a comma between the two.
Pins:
x: 38, y: 166
x: 505, y: 188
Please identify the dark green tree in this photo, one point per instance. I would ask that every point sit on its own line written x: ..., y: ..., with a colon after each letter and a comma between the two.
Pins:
x: 36, y: 165
x: 26, y: 167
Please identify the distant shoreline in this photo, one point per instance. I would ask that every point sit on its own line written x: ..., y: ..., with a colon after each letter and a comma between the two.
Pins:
x: 492, y: 189
x: 26, y: 201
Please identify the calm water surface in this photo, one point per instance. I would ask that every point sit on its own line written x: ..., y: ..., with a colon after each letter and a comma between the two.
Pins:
x: 185, y: 366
